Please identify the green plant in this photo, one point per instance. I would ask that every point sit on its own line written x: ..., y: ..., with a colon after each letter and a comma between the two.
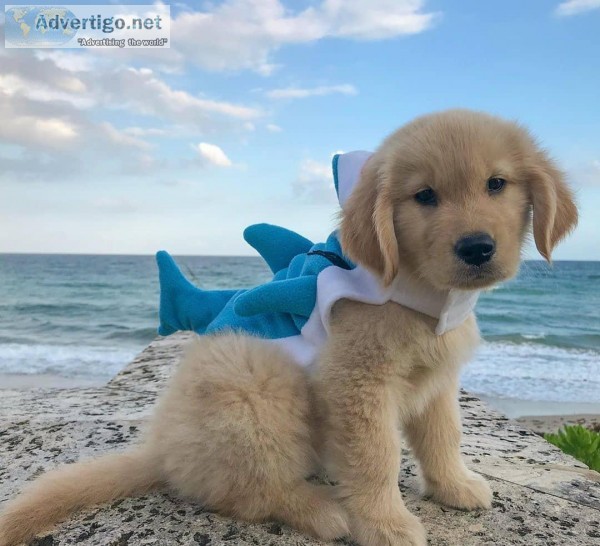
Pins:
x: 582, y: 443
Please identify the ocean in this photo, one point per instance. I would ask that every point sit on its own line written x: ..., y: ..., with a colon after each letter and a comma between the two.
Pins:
x: 85, y: 317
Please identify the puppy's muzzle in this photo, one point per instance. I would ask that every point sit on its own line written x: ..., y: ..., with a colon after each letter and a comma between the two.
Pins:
x: 475, y: 249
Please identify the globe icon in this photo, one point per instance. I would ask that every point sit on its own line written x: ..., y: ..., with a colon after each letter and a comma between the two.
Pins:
x: 29, y: 26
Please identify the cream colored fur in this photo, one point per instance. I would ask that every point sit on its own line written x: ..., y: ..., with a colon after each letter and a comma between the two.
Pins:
x: 241, y: 427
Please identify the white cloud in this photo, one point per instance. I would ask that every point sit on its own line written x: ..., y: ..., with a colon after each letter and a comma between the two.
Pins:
x: 42, y: 84
x: 48, y: 136
x: 314, y: 169
x: 54, y: 104
x: 52, y: 128
x: 48, y: 108
x: 31, y: 127
x: 375, y: 20
x: 122, y: 138
x: 142, y: 91
x: 213, y: 154
x: 243, y: 34
x: 44, y: 78
x: 66, y: 60
x: 315, y: 183
x: 142, y: 132
x: 575, y: 7
x: 302, y: 93
x: 586, y: 175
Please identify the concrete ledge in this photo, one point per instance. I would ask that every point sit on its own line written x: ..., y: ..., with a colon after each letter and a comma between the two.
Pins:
x: 541, y: 496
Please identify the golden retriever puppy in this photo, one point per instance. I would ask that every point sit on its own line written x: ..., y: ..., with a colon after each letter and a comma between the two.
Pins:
x: 446, y: 202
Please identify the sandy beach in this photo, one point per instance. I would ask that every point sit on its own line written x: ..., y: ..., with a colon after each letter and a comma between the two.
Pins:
x: 516, y: 408
x: 542, y: 417
x: 44, y: 381
x: 541, y: 424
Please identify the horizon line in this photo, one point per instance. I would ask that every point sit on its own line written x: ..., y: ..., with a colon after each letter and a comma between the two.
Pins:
x: 224, y: 256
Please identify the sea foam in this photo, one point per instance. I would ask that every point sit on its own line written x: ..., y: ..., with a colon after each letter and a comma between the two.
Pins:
x: 65, y: 360
x: 531, y: 371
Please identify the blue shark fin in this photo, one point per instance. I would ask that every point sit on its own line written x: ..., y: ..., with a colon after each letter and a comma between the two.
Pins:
x: 296, y: 296
x: 275, y: 244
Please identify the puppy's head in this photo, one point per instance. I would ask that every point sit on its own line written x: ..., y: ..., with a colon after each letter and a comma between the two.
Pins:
x: 450, y: 197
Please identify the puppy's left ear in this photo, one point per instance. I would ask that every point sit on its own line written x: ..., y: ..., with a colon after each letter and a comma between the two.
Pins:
x: 554, y: 209
x: 383, y: 220
x: 367, y: 227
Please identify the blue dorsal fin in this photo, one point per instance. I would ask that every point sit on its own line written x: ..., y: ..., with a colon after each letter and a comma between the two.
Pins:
x: 275, y: 244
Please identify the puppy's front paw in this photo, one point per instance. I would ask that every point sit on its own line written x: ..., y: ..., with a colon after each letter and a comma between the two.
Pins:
x: 403, y: 530
x: 469, y: 492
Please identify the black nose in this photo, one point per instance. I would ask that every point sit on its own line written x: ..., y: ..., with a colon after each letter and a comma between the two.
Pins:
x: 475, y: 249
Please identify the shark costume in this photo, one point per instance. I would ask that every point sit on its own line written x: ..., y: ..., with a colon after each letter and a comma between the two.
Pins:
x: 293, y: 309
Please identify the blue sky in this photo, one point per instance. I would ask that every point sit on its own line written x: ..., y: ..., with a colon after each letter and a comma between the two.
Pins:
x: 130, y: 151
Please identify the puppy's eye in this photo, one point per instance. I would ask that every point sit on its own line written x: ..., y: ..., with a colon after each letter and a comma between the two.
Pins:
x: 496, y: 184
x: 426, y: 197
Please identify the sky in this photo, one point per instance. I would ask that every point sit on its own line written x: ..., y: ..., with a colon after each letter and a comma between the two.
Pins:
x: 131, y: 151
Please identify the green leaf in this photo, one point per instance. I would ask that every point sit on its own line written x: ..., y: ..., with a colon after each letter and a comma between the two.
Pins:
x: 580, y: 442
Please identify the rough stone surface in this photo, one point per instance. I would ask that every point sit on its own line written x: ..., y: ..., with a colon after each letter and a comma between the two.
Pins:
x: 541, y: 496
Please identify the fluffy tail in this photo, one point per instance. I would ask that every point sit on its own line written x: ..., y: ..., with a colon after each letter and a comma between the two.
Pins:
x: 57, y: 494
